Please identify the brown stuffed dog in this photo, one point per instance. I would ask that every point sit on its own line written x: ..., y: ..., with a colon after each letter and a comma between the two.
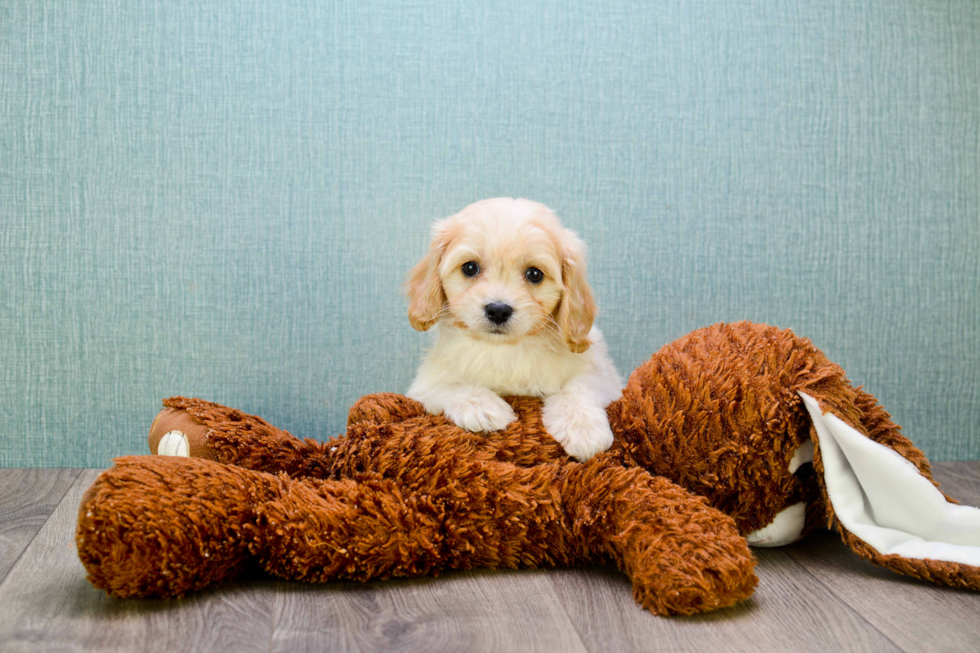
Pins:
x: 715, y: 436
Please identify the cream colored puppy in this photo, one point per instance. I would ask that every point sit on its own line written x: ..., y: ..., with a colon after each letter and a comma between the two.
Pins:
x: 504, y: 285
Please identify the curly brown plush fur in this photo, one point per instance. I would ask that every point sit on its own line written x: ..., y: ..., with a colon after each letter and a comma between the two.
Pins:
x: 705, y: 433
x: 403, y: 493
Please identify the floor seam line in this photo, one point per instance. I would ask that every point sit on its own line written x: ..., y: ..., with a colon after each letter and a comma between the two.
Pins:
x: 20, y: 556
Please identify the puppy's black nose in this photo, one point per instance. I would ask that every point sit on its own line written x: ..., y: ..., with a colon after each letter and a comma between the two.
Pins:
x: 498, y: 312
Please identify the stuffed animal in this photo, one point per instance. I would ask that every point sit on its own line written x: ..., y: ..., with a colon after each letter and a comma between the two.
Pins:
x: 736, y: 434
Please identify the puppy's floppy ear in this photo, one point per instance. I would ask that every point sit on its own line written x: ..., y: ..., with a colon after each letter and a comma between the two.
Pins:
x: 576, y: 310
x: 423, y: 286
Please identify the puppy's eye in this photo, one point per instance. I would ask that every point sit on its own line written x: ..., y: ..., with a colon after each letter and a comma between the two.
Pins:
x: 471, y: 268
x: 534, y: 275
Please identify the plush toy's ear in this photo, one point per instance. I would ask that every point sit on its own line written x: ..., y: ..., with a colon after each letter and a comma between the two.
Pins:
x: 886, y: 509
x: 423, y: 286
x: 576, y: 310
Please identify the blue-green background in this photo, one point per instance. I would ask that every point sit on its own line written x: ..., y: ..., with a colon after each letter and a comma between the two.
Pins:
x: 220, y: 199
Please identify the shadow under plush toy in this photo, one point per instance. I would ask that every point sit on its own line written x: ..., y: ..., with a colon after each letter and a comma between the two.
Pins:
x: 715, y: 436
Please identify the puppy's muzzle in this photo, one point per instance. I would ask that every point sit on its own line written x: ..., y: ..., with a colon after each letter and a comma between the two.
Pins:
x: 498, y: 312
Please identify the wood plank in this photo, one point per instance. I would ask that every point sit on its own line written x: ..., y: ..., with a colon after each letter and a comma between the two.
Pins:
x: 27, y: 499
x: 790, y: 611
x: 915, y: 615
x: 47, y: 604
x: 466, y: 611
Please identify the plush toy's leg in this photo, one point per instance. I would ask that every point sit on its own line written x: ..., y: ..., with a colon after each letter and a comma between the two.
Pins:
x: 682, y: 555
x: 885, y: 504
x: 163, y: 526
x: 439, y: 512
x: 159, y: 526
x: 202, y: 429
x: 450, y: 513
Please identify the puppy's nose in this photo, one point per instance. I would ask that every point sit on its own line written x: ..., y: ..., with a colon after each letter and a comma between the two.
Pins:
x: 498, y: 312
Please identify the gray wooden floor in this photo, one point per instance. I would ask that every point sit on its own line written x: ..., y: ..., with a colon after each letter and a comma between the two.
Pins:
x: 814, y: 595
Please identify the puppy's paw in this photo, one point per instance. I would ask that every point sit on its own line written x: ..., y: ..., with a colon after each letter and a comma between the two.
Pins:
x: 481, y: 410
x: 581, y: 429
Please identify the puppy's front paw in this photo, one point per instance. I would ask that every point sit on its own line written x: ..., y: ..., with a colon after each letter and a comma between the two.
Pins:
x: 480, y: 411
x: 582, y: 430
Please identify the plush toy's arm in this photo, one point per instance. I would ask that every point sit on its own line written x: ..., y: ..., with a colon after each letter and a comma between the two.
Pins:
x: 384, y: 408
x: 202, y: 429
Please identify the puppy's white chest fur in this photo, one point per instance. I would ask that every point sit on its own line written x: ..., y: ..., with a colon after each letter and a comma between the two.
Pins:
x: 532, y: 366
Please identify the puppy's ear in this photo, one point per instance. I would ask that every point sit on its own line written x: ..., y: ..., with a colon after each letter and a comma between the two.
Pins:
x: 576, y: 310
x: 423, y: 286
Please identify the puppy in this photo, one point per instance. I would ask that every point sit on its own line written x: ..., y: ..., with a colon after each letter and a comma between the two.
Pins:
x: 504, y: 285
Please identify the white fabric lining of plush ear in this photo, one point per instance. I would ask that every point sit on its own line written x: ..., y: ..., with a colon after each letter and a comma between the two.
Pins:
x: 880, y: 497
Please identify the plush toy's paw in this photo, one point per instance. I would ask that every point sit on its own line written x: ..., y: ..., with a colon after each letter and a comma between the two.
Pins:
x: 480, y: 410
x: 162, y: 527
x: 581, y: 429
x: 229, y: 436
x: 175, y: 432
x: 173, y: 443
x: 785, y: 528
x: 682, y: 555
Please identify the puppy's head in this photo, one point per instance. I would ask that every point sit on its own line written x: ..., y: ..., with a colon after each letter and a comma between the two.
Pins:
x: 503, y: 269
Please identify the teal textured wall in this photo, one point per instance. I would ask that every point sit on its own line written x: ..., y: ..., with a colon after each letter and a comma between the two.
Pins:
x: 220, y: 199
